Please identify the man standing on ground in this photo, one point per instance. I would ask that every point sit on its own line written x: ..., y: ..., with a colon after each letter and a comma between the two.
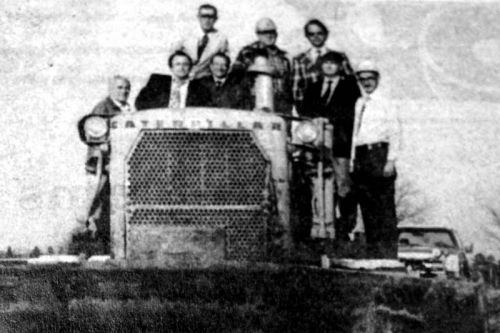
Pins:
x: 265, y: 46
x: 176, y: 91
x: 306, y: 65
x: 377, y: 140
x: 98, y: 209
x: 203, y: 48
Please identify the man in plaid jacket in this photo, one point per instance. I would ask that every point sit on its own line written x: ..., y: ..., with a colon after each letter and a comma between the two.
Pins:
x: 305, y: 65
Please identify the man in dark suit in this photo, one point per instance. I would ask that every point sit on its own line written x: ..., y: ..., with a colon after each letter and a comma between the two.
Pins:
x: 176, y: 91
x: 226, y: 91
x: 333, y: 96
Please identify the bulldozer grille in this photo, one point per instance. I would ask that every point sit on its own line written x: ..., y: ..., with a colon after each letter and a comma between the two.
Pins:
x: 200, y: 179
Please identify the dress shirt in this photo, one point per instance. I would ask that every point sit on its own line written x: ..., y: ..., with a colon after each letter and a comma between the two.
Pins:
x: 125, y: 108
x: 314, y: 53
x: 376, y: 120
x: 181, y: 88
x: 217, y: 42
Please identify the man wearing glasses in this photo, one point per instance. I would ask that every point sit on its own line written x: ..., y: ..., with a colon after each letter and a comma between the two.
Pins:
x: 211, y: 41
x: 265, y: 46
x: 305, y: 65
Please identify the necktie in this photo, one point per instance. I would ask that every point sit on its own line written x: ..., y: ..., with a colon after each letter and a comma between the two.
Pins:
x: 175, y: 96
x: 326, y: 95
x: 218, y: 84
x: 202, y: 45
x: 316, y: 61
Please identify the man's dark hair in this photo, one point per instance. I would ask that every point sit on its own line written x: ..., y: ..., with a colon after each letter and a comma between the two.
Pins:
x: 318, y: 23
x: 208, y: 6
x: 181, y: 54
x: 333, y: 56
x: 222, y: 55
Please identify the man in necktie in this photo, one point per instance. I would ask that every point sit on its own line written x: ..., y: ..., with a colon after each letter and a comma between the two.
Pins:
x: 173, y: 91
x: 333, y: 96
x: 377, y: 141
x: 225, y: 90
x: 202, y: 49
x: 306, y: 65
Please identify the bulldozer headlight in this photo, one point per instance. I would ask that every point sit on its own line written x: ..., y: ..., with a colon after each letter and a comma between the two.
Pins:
x: 307, y: 131
x: 95, y: 129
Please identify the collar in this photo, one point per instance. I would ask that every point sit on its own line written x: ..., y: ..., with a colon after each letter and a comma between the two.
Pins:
x: 314, y: 50
x: 178, y: 82
x: 123, y: 107
x: 208, y: 32
x: 222, y: 81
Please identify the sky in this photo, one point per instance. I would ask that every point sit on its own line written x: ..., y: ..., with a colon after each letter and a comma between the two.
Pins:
x: 439, y: 63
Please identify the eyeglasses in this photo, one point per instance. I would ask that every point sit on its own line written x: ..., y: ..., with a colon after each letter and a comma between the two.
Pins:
x: 207, y: 16
x: 317, y: 33
x: 266, y: 32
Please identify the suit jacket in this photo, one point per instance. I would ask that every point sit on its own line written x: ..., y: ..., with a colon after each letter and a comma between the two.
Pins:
x: 217, y: 42
x: 106, y: 107
x: 304, y: 70
x: 339, y: 110
x: 156, y: 93
x: 233, y: 94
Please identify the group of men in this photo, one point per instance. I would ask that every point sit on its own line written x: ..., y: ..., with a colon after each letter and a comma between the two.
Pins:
x: 319, y: 82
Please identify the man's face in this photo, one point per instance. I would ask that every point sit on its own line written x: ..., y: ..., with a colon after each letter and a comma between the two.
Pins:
x: 267, y: 37
x: 207, y: 19
x: 180, y: 67
x: 119, y: 90
x: 330, y: 68
x: 369, y: 81
x: 219, y: 67
x: 316, y: 35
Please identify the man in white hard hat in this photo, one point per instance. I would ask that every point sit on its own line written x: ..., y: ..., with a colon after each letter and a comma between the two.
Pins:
x: 265, y: 46
x: 377, y: 142
x: 305, y: 66
x: 202, y: 48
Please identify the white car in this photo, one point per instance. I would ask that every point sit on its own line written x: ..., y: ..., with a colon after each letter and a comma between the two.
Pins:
x: 433, y: 251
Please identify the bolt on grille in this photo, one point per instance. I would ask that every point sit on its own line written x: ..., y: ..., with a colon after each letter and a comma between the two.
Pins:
x: 218, y: 178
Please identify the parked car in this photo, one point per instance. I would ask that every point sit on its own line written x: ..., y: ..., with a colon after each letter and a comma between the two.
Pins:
x: 433, y: 251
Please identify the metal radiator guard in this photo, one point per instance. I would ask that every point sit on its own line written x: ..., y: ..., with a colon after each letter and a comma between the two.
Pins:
x: 201, y: 179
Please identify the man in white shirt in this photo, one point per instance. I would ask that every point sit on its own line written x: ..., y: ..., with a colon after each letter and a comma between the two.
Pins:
x: 173, y: 91
x: 376, y: 142
x: 202, y: 49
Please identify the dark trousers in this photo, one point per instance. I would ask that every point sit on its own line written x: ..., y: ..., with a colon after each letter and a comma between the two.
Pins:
x: 375, y: 195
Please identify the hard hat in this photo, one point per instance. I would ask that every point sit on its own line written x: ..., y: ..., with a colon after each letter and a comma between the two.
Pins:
x: 367, y: 66
x: 265, y: 24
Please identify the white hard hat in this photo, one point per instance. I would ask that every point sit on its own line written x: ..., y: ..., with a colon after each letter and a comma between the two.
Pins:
x: 367, y: 66
x: 265, y: 24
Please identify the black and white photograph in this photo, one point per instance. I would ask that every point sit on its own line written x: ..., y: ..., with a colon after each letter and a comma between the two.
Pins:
x: 250, y: 166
